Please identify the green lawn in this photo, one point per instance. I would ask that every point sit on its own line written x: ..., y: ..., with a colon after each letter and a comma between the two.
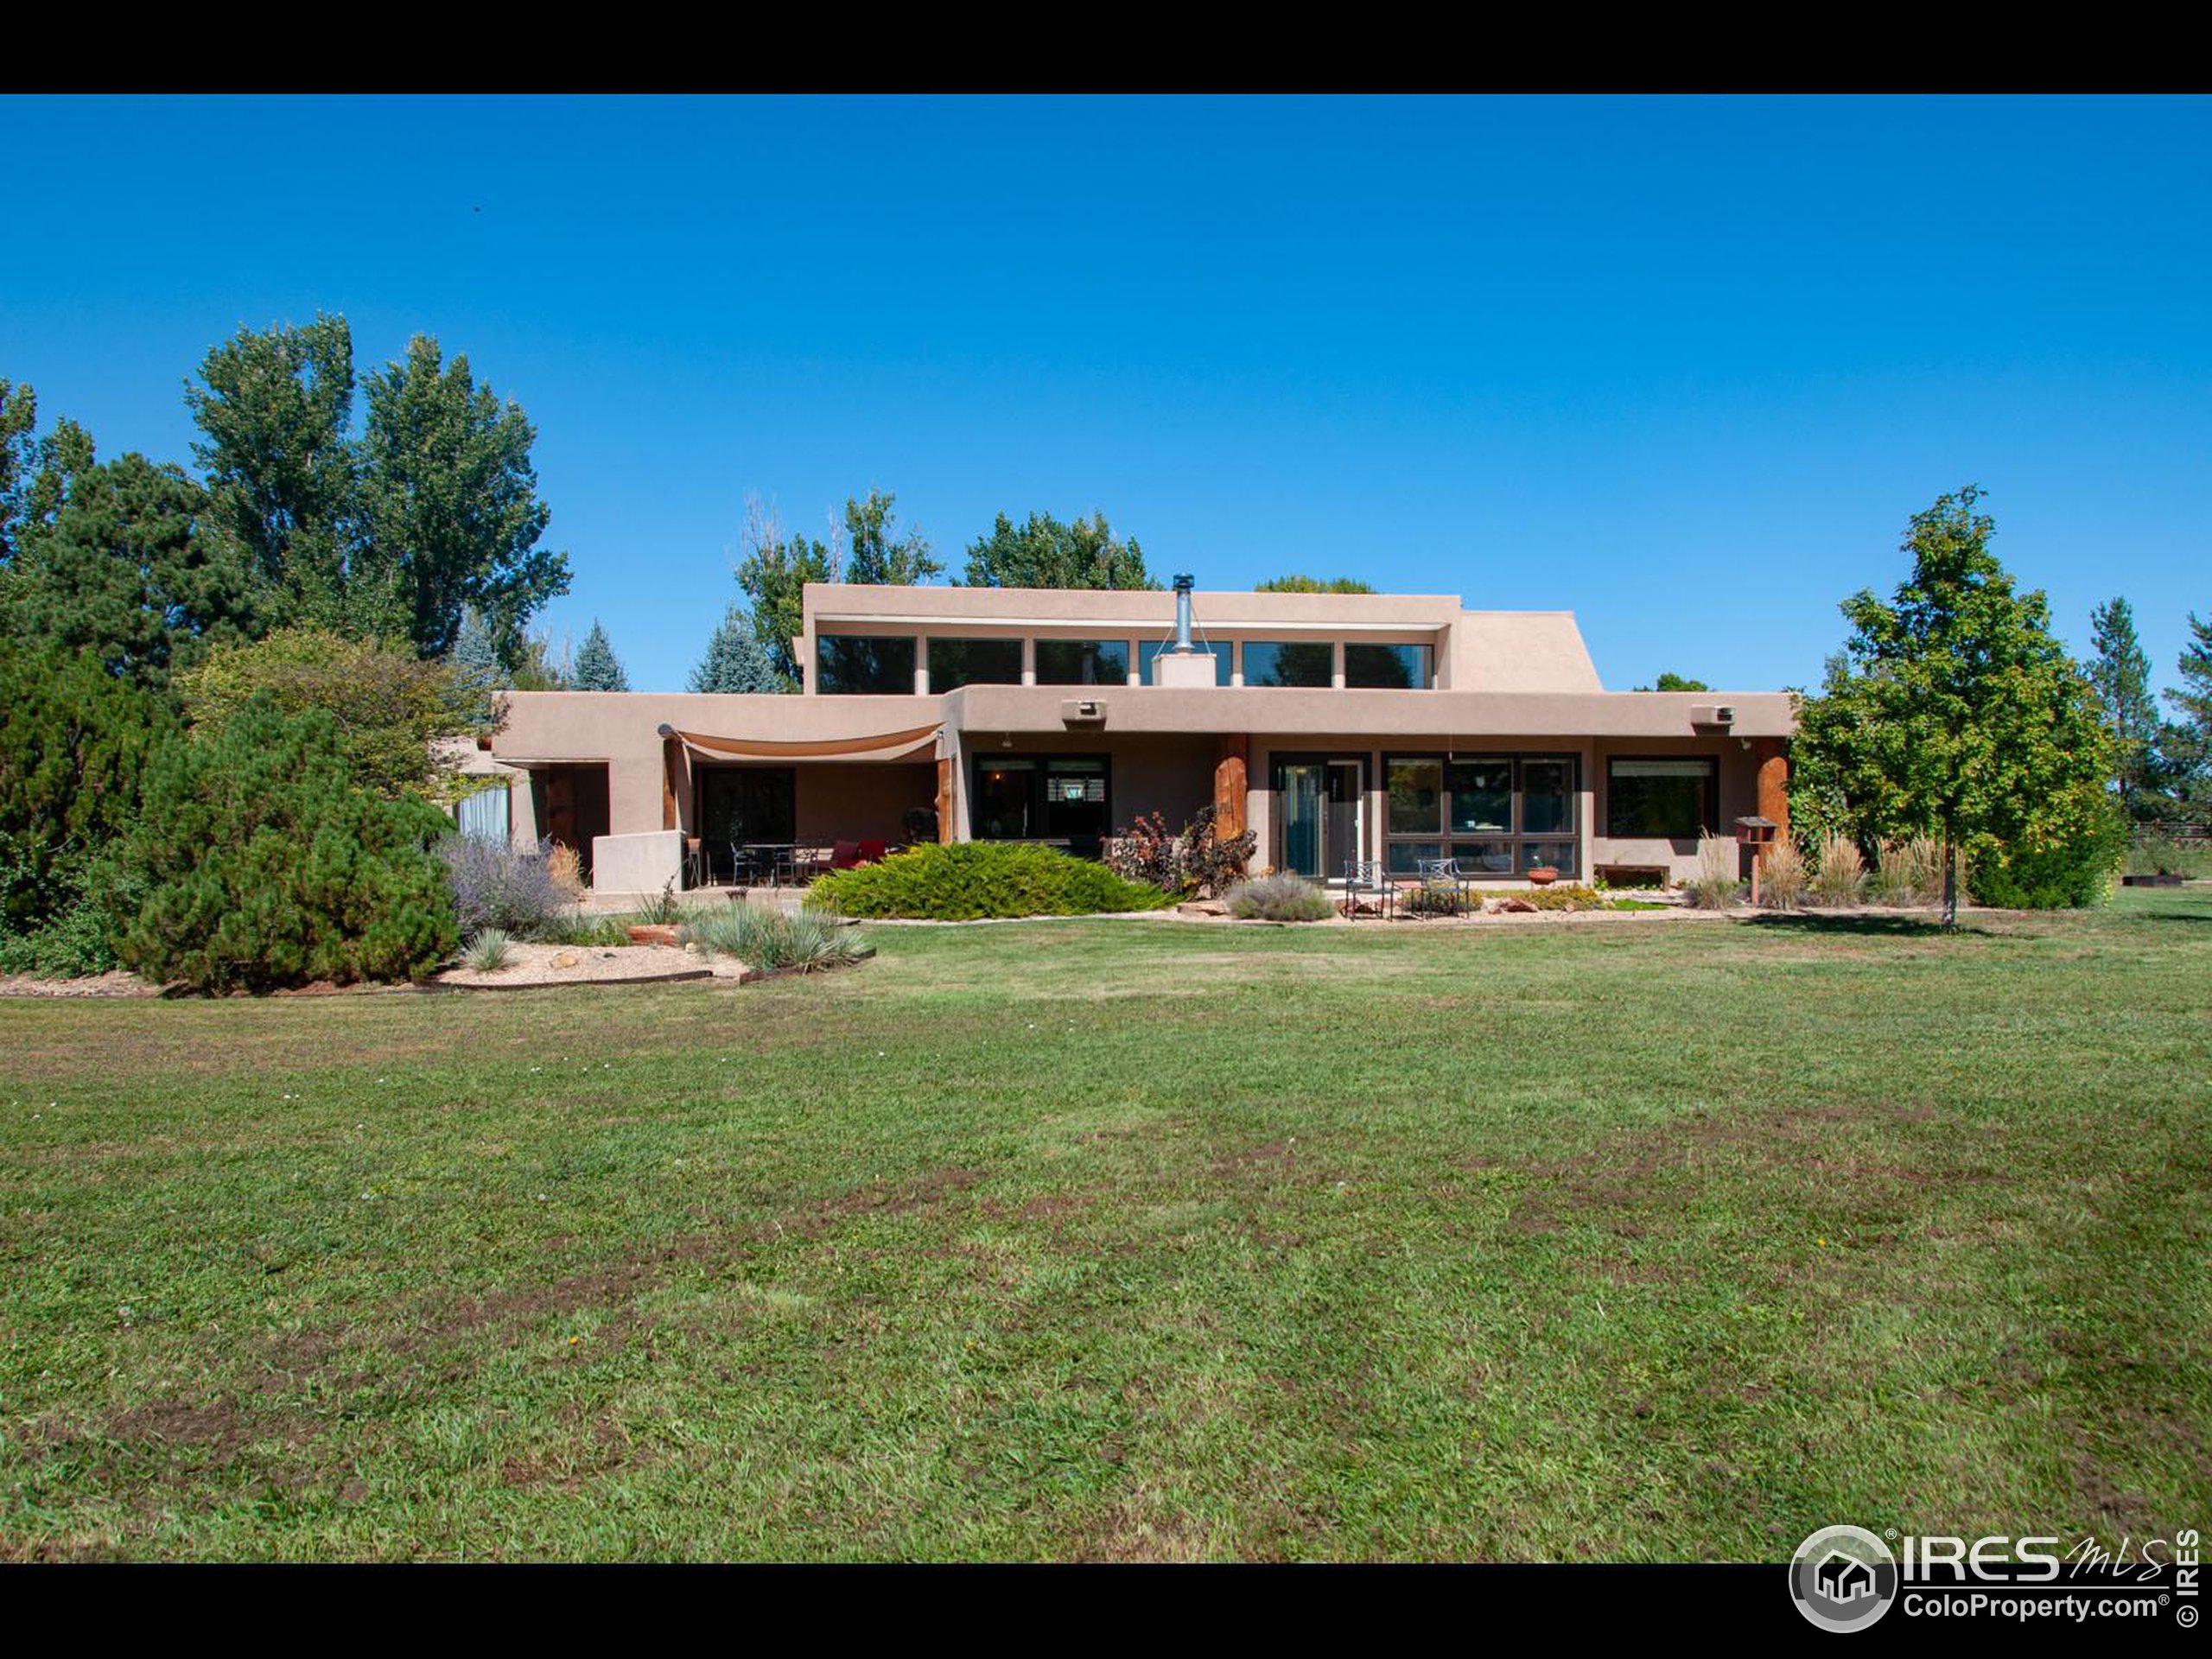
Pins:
x: 1131, y: 1241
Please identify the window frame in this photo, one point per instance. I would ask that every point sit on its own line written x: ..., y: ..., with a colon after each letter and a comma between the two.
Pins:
x: 1516, y: 839
x: 882, y: 640
x: 1424, y: 682
x: 1044, y: 642
x: 1710, y: 806
x: 965, y: 641
x: 1328, y: 673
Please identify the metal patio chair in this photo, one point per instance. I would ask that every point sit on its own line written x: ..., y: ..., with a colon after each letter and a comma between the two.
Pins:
x: 1441, y: 875
x: 1366, y: 879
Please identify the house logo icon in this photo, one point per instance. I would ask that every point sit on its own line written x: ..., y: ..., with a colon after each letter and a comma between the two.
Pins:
x: 1843, y: 1578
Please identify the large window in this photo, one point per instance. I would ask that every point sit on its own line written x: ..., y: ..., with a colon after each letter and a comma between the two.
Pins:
x: 1082, y: 661
x: 956, y: 663
x: 1304, y: 662
x: 1673, y: 798
x: 1392, y: 668
x: 858, y: 664
x: 1498, y: 815
x: 1152, y: 648
x: 1055, y: 798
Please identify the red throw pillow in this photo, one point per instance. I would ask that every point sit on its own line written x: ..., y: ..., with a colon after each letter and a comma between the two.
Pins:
x: 846, y: 854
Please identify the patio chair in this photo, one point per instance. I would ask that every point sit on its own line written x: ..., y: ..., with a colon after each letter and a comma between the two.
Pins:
x: 1441, y: 875
x: 1366, y: 879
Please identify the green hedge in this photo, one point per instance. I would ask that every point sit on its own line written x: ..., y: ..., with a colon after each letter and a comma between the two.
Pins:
x: 970, y: 881
x: 2072, y: 875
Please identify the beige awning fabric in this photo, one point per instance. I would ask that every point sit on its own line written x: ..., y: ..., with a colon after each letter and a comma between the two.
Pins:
x: 889, y: 746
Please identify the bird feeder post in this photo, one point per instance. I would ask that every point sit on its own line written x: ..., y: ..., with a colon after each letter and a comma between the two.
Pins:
x: 1757, y: 834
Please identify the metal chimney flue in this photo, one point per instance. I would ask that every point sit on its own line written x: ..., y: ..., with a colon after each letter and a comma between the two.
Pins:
x: 1183, y: 585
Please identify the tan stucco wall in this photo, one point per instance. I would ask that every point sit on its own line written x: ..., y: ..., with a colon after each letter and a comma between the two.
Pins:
x: 1739, y: 775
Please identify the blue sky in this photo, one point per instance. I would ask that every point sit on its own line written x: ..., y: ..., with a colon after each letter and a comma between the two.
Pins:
x: 1682, y: 366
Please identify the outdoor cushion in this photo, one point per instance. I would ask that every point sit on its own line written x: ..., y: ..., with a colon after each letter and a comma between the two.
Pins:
x: 847, y: 854
x: 871, y: 852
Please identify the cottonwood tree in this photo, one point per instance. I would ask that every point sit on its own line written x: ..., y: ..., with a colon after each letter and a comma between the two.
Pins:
x: 1042, y: 552
x: 597, y: 667
x: 390, y: 535
x: 773, y: 575
x: 735, y: 661
x: 274, y: 411
x: 1952, y: 709
x: 874, y: 553
x: 1311, y: 585
x: 36, y: 472
x: 450, y: 503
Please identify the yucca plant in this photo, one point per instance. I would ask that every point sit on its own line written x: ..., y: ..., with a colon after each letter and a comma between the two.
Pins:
x: 1840, y: 873
x: 1715, y: 885
x: 487, y: 952
x: 1782, y: 874
x: 766, y: 937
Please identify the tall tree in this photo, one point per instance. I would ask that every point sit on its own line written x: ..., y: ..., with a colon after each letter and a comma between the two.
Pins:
x: 36, y: 472
x: 275, y: 411
x: 1042, y: 552
x: 597, y: 667
x: 1954, y: 710
x: 874, y: 554
x: 2121, y: 673
x: 735, y: 660
x: 1311, y: 585
x: 2190, y: 739
x: 130, y: 572
x: 450, y: 504
x: 773, y: 575
x: 395, y: 713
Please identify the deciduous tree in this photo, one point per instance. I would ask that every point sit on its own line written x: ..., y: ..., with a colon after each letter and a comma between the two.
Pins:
x: 1042, y: 552
x: 1954, y: 709
x: 450, y: 504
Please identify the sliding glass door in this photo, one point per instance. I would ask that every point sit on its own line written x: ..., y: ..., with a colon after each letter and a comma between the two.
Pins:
x: 1318, y: 811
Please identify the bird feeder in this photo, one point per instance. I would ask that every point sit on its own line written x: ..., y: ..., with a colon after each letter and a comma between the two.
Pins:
x: 1756, y: 833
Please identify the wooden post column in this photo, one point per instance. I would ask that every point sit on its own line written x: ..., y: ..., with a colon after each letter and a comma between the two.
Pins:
x: 1230, y: 782
x: 671, y: 758
x: 945, y: 799
x: 1774, y: 783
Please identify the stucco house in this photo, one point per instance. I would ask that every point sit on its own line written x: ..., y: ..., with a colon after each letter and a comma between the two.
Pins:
x: 1340, y: 727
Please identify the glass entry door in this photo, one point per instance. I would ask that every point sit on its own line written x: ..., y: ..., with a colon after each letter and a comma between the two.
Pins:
x: 1318, y: 804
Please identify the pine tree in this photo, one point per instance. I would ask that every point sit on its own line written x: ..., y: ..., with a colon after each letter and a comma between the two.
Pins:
x: 2121, y: 674
x: 2191, y: 737
x: 735, y: 661
x: 597, y: 667
x: 474, y: 658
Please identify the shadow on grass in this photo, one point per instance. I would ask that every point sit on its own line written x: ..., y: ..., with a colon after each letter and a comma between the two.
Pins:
x: 1894, y: 927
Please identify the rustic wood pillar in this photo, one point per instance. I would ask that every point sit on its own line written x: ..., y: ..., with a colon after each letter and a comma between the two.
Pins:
x: 1774, y: 783
x: 1230, y: 782
x: 671, y: 757
x: 945, y: 799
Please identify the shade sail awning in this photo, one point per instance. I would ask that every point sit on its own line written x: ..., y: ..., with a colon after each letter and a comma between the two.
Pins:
x: 886, y: 745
